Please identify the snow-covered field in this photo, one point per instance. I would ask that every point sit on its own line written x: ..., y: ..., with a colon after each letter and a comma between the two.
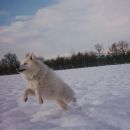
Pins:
x: 103, y: 95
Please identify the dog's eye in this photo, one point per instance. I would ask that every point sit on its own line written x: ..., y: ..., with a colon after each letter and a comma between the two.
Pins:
x: 25, y: 63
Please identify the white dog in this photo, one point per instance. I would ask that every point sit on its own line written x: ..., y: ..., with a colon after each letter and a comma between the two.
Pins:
x: 44, y: 83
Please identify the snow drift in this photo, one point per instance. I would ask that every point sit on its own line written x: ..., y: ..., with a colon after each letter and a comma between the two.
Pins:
x: 103, y: 95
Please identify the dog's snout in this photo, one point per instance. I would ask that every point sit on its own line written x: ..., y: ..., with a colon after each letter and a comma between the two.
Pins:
x: 21, y: 68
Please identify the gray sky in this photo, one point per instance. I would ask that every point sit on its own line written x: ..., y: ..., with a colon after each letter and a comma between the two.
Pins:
x: 65, y: 26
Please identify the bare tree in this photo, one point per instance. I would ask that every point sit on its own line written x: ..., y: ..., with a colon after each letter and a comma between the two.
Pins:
x: 11, y: 59
x: 118, y: 50
x: 123, y: 47
x: 99, y: 49
x: 114, y: 51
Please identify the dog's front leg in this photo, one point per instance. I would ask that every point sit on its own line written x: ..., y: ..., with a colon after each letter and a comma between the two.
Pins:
x: 38, y: 95
x: 26, y: 93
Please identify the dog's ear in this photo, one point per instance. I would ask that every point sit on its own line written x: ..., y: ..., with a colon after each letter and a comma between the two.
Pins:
x: 32, y: 56
x: 27, y: 55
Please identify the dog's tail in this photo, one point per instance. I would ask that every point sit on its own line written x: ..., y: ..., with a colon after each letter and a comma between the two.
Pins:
x: 74, y: 99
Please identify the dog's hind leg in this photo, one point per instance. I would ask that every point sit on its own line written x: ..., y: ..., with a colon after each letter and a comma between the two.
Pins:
x: 62, y: 104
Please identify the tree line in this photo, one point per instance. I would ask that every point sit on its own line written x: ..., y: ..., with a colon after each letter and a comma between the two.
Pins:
x: 118, y: 53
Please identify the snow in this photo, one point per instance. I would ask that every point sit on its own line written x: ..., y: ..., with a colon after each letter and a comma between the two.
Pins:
x: 103, y: 95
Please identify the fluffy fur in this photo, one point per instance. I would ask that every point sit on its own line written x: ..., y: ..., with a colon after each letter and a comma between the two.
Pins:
x: 44, y: 83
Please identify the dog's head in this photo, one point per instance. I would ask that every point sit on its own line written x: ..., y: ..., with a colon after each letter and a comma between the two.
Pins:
x: 27, y: 64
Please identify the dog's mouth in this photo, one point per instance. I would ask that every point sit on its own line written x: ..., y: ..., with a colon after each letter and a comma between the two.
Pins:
x: 20, y: 70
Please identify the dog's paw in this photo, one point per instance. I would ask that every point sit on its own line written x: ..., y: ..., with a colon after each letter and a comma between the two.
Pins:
x: 65, y: 107
x: 25, y: 99
x: 40, y: 101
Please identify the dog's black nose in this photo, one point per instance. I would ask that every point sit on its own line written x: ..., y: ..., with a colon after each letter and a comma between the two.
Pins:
x: 17, y: 66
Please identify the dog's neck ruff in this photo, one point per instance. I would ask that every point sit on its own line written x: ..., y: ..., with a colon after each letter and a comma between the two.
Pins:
x: 37, y: 76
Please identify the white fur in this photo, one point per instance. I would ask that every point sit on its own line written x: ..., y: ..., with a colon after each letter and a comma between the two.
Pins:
x: 44, y: 83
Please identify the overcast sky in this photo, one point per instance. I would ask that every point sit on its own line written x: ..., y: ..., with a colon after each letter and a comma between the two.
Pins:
x: 59, y: 27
